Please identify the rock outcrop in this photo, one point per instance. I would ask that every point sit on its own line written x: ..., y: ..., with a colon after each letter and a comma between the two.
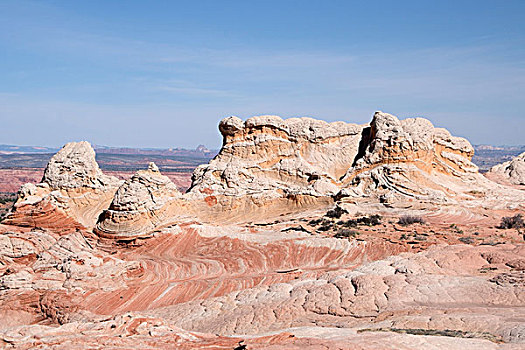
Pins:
x: 74, y: 166
x: 252, y: 256
x: 71, y: 195
x: 268, y: 165
x: 512, y: 171
x: 268, y: 156
x: 140, y: 205
x: 411, y: 159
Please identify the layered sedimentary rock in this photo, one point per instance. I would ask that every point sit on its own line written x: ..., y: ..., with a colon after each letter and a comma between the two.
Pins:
x: 512, y: 171
x: 268, y: 156
x: 233, y: 281
x: 268, y: 165
x: 251, y: 248
x: 71, y: 195
x: 140, y: 205
x: 435, y: 289
x: 411, y: 158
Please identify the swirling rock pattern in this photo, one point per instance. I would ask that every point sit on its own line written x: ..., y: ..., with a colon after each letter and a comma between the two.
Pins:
x: 139, y: 204
x: 298, y: 289
x: 249, y: 257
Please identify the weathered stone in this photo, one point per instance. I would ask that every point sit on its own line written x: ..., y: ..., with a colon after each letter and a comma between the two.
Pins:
x: 72, y: 194
x: 139, y: 204
x: 272, y: 155
x: 513, y: 170
x: 269, y: 165
x: 75, y: 166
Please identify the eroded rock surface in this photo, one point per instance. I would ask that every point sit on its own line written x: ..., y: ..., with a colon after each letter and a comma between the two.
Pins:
x: 411, y: 159
x: 140, y: 205
x: 267, y: 156
x: 269, y: 165
x: 202, y: 286
x: 71, y: 195
x: 429, y: 290
x: 254, y: 255
x: 75, y: 166
x: 512, y: 171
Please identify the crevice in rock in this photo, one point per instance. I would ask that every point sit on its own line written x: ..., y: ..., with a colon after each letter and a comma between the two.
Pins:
x: 363, y: 144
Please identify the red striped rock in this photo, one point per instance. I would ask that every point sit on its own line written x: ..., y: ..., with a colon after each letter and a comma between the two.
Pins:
x: 238, y: 262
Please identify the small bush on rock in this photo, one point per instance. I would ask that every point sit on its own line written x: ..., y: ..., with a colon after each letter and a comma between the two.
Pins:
x: 410, y: 219
x: 345, y: 233
x: 324, y: 227
x: 315, y: 222
x: 371, y: 220
x: 466, y: 240
x: 336, y: 213
x: 508, y: 222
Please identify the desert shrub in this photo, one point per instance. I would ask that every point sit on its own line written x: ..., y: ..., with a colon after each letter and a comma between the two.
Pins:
x: 336, y: 213
x: 345, y: 233
x: 324, y: 227
x: 315, y: 222
x: 348, y: 223
x: 466, y: 240
x: 508, y: 222
x: 3, y: 214
x: 410, y: 219
x: 5, y: 199
x: 299, y: 228
x: 456, y: 228
x: 371, y: 220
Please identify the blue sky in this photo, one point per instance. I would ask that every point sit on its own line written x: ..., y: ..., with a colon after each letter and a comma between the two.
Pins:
x: 163, y: 73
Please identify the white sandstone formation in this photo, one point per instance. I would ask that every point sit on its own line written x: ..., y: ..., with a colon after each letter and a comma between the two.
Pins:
x: 139, y: 204
x: 513, y: 170
x: 72, y: 193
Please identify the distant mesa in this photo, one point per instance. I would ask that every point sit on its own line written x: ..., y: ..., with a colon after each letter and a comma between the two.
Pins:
x: 13, y: 149
x: 203, y: 149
